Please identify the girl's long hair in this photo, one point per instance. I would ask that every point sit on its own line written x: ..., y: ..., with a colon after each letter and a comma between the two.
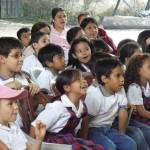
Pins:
x: 132, y: 73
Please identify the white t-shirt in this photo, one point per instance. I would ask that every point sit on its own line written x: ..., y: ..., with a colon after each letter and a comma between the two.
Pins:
x: 103, y: 108
x: 56, y: 115
x: 13, y: 137
x: 134, y: 94
x: 45, y: 81
x: 30, y: 62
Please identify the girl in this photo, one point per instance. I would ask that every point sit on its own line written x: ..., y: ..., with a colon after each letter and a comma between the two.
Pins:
x: 38, y: 41
x: 61, y: 125
x: 137, y: 79
x: 80, y: 54
x: 59, y: 30
x: 90, y: 27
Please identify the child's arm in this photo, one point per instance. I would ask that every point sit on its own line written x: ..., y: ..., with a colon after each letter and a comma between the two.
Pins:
x: 85, y: 126
x: 3, y: 146
x: 142, y: 111
x: 33, y: 89
x: 40, y: 130
x: 123, y: 118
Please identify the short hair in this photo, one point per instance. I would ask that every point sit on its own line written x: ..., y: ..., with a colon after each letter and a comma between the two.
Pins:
x: 67, y: 77
x: 7, y: 44
x: 35, y: 37
x: 105, y: 67
x: 55, y: 11
x: 86, y: 21
x: 100, y: 45
x: 38, y: 26
x: 21, y: 31
x: 95, y: 57
x: 72, y: 33
x: 127, y: 50
x: 48, y: 52
x: 82, y: 14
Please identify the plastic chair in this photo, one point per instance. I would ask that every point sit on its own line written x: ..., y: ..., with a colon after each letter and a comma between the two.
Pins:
x: 35, y: 72
x: 48, y: 146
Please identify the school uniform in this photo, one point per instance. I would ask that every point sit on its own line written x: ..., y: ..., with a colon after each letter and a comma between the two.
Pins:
x: 79, y: 66
x: 61, y: 125
x: 46, y: 79
x: 13, y: 137
x: 30, y: 62
x: 28, y: 51
x: 102, y: 109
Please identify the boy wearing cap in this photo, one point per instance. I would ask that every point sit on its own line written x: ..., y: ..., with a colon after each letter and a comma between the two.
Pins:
x: 10, y: 134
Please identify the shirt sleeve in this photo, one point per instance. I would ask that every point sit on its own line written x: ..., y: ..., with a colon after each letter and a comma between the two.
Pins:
x: 123, y: 100
x: 92, y: 101
x: 50, y: 115
x: 134, y: 95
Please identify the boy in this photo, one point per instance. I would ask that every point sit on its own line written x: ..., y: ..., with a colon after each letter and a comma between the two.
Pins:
x: 23, y: 35
x: 11, y: 135
x: 52, y: 58
x: 10, y: 66
x: 104, y: 101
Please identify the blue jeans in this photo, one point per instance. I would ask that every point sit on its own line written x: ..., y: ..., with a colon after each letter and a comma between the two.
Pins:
x: 111, y: 139
x: 139, y: 132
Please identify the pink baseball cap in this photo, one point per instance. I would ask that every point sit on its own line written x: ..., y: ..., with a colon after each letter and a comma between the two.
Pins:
x: 8, y: 93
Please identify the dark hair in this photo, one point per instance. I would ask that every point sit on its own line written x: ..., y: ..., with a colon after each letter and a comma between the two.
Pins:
x: 86, y: 21
x: 35, y: 37
x: 100, y: 45
x: 132, y: 72
x: 142, y: 37
x: 72, y: 33
x: 95, y: 57
x: 67, y: 77
x: 82, y: 14
x: 105, y: 67
x: 38, y: 26
x: 55, y: 11
x: 71, y: 59
x: 48, y: 52
x: 7, y: 44
x: 124, y: 41
x: 127, y: 50
x: 21, y: 31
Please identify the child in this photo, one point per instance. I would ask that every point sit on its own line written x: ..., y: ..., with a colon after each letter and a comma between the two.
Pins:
x: 10, y: 66
x: 67, y: 112
x: 51, y: 57
x: 105, y: 100
x: 38, y: 40
x: 73, y: 33
x: 23, y: 35
x: 80, y: 54
x: 11, y: 135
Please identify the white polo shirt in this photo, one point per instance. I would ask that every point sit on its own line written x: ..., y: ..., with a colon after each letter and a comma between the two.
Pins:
x: 46, y: 79
x: 134, y: 94
x: 30, y: 62
x: 13, y: 137
x: 103, y: 108
x: 56, y: 115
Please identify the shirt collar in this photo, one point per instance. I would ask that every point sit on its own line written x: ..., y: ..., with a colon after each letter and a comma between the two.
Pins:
x: 12, y: 126
x: 146, y: 90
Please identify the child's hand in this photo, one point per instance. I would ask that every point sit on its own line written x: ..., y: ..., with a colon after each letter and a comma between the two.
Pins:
x: 33, y: 89
x: 40, y: 130
x: 14, y: 85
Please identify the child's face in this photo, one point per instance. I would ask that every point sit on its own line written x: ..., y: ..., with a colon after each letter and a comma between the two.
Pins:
x: 58, y: 62
x: 8, y: 111
x: 60, y: 20
x: 82, y: 52
x: 25, y: 38
x: 13, y: 62
x: 79, y: 87
x: 91, y: 30
x: 115, y: 82
x: 144, y: 71
x: 43, y: 41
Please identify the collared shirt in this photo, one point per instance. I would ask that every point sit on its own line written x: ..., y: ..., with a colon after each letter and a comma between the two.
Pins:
x: 59, y: 38
x: 103, y: 107
x: 13, y: 137
x: 56, y: 115
x: 134, y: 94
x: 28, y: 51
